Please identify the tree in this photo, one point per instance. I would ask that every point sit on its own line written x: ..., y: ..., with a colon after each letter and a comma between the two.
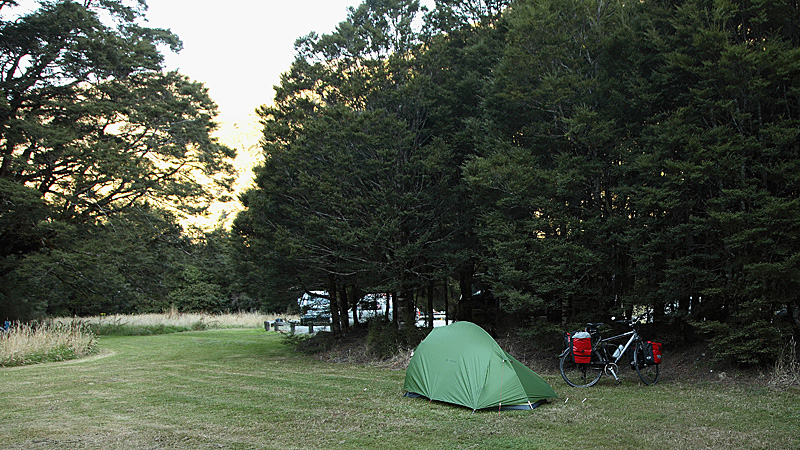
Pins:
x: 588, y: 159
x: 464, y: 42
x: 726, y: 134
x: 125, y: 265
x: 364, y: 147
x: 559, y: 132
x: 88, y: 120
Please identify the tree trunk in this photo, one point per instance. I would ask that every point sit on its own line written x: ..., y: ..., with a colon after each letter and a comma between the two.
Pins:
x: 395, y: 315
x: 354, y: 298
x: 343, y: 303
x: 334, y: 306
x: 658, y: 309
x: 406, y: 305
x: 430, y: 306
x: 464, y: 305
x: 446, y: 303
x: 794, y: 313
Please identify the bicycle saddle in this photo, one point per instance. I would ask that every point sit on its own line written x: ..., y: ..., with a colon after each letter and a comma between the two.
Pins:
x: 595, y: 325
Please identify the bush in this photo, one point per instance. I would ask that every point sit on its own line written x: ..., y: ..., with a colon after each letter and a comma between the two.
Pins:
x: 200, y: 296
x: 543, y: 336
x: 754, y: 343
x: 320, y: 342
x: 199, y: 325
x: 298, y: 341
x: 384, y: 339
x: 125, y: 329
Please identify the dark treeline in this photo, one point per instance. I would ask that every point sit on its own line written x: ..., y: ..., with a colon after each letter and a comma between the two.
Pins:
x: 581, y: 160
x: 572, y: 160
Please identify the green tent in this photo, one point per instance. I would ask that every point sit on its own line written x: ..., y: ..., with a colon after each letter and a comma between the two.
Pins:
x: 460, y: 363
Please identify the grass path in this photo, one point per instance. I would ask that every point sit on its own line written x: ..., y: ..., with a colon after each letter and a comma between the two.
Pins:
x: 243, y: 389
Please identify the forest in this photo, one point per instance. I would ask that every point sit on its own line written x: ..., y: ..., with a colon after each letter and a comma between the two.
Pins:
x: 523, y: 164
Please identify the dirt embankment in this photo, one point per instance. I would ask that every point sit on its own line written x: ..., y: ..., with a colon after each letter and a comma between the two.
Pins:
x: 690, y: 364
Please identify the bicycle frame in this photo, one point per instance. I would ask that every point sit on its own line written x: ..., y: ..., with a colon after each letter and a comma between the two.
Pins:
x: 633, y: 338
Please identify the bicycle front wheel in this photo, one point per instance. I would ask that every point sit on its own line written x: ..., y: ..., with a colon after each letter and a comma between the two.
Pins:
x: 647, y: 373
x: 578, y: 375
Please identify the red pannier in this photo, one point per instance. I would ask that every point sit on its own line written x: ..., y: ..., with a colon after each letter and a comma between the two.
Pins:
x: 652, y: 352
x: 581, y: 344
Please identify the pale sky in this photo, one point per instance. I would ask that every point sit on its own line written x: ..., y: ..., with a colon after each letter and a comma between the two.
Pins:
x: 239, y: 48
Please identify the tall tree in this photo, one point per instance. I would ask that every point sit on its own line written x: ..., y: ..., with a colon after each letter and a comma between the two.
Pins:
x: 464, y: 42
x: 89, y: 121
x: 367, y: 135
x: 560, y: 132
x: 727, y: 142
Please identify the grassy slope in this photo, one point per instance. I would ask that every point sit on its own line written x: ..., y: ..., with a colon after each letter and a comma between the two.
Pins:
x: 244, y: 389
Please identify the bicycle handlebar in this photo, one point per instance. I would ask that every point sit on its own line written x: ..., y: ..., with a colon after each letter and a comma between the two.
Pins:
x: 633, y: 321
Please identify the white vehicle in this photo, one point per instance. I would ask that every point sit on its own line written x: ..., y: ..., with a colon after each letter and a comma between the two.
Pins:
x: 315, y: 308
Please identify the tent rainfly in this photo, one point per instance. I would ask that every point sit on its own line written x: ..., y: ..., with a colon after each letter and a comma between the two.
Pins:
x: 461, y: 364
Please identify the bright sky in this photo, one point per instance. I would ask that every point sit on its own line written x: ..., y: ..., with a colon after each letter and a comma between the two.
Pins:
x: 239, y: 48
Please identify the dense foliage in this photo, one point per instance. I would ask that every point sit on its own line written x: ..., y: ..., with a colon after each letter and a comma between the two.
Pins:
x: 546, y: 163
x: 583, y: 159
x: 100, y: 152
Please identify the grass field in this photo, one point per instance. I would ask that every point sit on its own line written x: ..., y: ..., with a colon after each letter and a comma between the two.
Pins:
x: 243, y: 388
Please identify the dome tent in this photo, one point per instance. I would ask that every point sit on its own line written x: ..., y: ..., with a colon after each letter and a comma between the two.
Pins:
x: 461, y: 364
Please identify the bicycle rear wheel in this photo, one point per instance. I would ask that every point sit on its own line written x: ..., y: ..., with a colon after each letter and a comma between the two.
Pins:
x: 647, y: 373
x: 578, y: 375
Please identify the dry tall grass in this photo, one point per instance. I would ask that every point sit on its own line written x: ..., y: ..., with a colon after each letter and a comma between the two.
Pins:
x: 174, y: 318
x: 46, y: 341
x: 786, y: 371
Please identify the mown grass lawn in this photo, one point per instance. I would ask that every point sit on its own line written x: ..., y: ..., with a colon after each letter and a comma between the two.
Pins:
x: 244, y: 389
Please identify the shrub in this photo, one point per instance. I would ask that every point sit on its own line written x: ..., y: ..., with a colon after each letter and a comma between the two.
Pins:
x: 750, y: 344
x: 296, y: 341
x: 125, y: 329
x: 384, y: 339
x: 199, y: 325
x: 544, y: 336
x: 319, y: 342
x: 199, y: 297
